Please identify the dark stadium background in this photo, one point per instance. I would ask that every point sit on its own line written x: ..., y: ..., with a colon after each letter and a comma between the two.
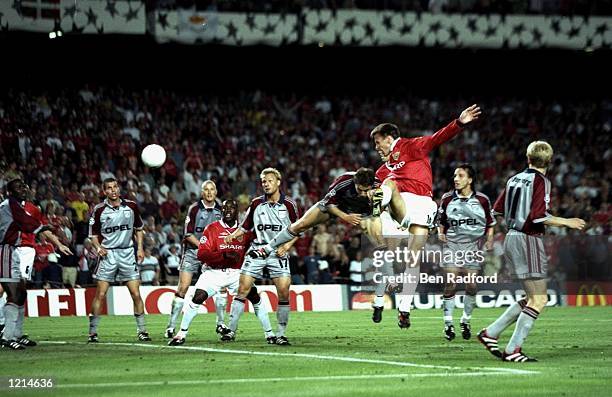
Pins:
x: 138, y: 61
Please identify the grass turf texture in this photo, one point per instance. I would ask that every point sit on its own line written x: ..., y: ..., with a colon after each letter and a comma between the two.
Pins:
x: 574, y: 346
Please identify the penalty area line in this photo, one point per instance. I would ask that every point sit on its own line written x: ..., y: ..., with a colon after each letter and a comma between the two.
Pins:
x: 492, y: 370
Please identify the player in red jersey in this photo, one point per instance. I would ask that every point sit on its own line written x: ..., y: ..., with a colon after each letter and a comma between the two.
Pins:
x: 222, y: 262
x: 20, y: 221
x: 524, y: 203
x: 406, y: 186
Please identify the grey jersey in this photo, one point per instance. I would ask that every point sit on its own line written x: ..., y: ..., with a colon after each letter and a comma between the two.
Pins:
x: 525, y: 202
x: 115, y: 226
x: 266, y: 219
x: 198, y: 217
x: 465, y: 219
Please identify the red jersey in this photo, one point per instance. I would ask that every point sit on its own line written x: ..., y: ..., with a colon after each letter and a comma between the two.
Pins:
x: 212, y: 247
x: 408, y: 163
x: 15, y: 221
x: 29, y: 239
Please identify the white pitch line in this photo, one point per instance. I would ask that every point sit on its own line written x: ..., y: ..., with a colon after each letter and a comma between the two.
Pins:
x: 287, y: 379
x: 316, y: 357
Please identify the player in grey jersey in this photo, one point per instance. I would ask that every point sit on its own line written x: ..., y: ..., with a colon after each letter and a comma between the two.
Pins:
x: 199, y: 215
x: 524, y: 203
x: 267, y: 215
x: 464, y: 219
x: 112, y: 228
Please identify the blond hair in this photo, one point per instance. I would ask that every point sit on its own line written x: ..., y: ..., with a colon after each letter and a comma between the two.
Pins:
x: 270, y: 170
x: 206, y: 182
x: 539, y: 154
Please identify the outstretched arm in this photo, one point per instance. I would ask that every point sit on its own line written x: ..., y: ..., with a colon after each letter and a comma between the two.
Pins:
x: 351, y: 219
x: 571, y: 223
x: 53, y: 238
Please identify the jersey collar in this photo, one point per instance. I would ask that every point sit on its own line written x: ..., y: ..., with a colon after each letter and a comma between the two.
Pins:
x: 205, y: 207
x: 395, y: 141
x: 456, y: 195
x: 226, y: 226
x: 280, y: 200
x: 121, y: 202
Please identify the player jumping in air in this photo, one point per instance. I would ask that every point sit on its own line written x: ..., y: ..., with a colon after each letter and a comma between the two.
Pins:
x: 524, y: 203
x: 407, y: 179
x: 465, y: 218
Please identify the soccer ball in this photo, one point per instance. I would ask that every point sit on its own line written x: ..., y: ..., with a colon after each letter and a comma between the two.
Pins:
x: 153, y: 156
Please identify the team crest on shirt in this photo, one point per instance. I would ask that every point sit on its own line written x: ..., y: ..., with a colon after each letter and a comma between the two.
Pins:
x: 395, y: 156
x: 203, y: 240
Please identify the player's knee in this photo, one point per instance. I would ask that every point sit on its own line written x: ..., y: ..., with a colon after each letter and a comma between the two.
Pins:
x: 538, y: 302
x: 283, y: 294
x: 449, y: 289
x: 181, y: 290
x: 21, y: 297
x: 253, y: 296
x: 243, y: 292
x: 199, y: 296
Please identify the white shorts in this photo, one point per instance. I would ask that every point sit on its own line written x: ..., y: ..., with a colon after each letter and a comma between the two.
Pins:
x: 390, y: 228
x: 212, y: 280
x: 25, y: 256
x: 16, y: 263
x: 420, y: 210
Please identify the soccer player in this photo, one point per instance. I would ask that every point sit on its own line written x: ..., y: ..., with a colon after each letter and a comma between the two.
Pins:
x: 199, y: 215
x: 525, y: 203
x: 112, y: 227
x: 267, y: 215
x: 347, y: 199
x: 221, y: 270
x: 18, y: 228
x: 465, y: 218
x: 406, y: 176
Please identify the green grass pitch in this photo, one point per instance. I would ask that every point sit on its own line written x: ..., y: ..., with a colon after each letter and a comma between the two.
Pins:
x: 333, y: 354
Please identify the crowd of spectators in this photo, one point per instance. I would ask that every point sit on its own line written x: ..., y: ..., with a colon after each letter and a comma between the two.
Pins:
x: 555, y: 7
x: 64, y: 143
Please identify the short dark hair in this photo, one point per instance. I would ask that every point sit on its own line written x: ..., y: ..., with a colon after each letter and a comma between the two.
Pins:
x: 385, y: 129
x: 108, y: 180
x: 364, y: 176
x: 10, y: 187
x: 471, y: 173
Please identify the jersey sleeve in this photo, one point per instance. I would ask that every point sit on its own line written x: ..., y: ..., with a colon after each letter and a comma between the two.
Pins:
x: 335, y: 190
x: 25, y: 222
x: 498, y: 207
x: 425, y: 144
x: 95, y: 225
x: 540, y: 200
x: 190, y: 220
x: 442, y: 216
x: 208, y: 250
x: 292, y: 209
x: 486, y: 206
x: 138, y: 224
x: 249, y: 221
